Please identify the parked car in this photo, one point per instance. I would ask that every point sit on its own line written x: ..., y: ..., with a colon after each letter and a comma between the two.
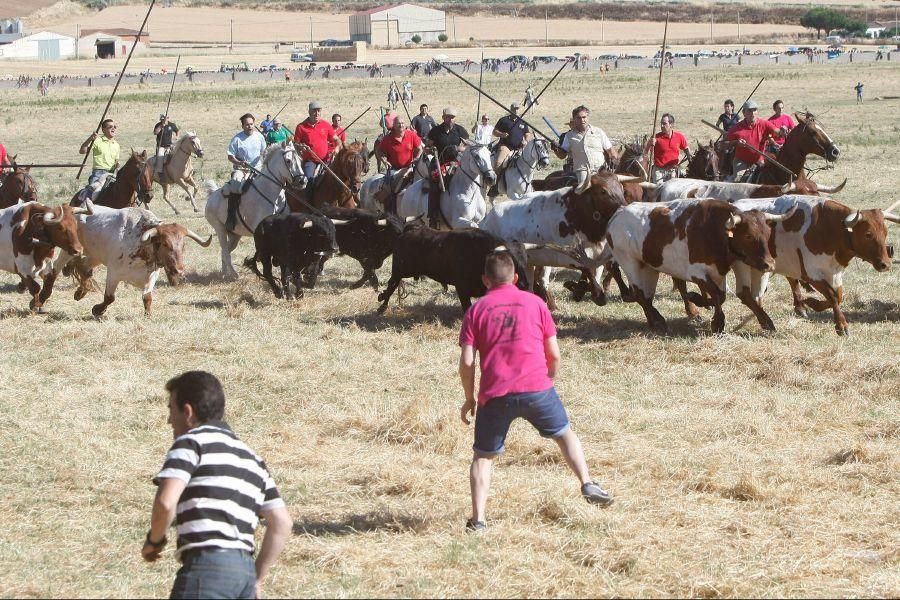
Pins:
x: 301, y: 57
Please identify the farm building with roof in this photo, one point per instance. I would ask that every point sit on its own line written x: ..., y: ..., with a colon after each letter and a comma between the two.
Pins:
x: 396, y: 24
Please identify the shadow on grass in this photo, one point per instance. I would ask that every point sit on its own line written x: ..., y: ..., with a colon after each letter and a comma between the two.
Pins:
x: 211, y: 278
x: 404, y: 317
x: 367, y: 522
x: 868, y: 311
x: 606, y: 329
x: 9, y: 288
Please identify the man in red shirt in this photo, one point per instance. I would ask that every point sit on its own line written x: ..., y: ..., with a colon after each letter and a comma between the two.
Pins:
x: 400, y: 147
x: 314, y: 136
x: 779, y: 119
x: 667, y: 147
x: 4, y: 159
x: 514, y: 333
x: 753, y: 132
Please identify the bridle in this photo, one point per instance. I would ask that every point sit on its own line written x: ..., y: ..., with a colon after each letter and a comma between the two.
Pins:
x: 29, y: 187
x: 144, y: 191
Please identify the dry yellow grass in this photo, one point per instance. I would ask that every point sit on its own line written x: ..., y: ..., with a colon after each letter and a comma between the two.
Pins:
x: 743, y: 464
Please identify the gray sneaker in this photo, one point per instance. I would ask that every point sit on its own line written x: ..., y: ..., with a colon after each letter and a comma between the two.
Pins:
x: 595, y: 494
x: 475, y: 526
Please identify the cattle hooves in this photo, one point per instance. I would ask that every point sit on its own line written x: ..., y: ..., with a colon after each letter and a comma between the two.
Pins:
x: 21, y: 287
x: 599, y: 300
x: 98, y: 311
x: 801, y: 312
x: 80, y: 293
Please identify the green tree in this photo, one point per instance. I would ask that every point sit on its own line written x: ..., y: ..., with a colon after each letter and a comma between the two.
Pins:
x: 823, y: 18
x: 416, y: 38
x: 855, y: 26
x: 443, y: 37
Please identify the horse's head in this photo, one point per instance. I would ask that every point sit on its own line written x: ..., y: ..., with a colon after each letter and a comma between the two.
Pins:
x: 137, y: 166
x: 19, y: 184
x: 289, y: 169
x: 704, y: 164
x: 193, y: 142
x: 541, y: 150
x: 477, y: 158
x: 632, y: 160
x: 351, y: 164
x: 810, y: 138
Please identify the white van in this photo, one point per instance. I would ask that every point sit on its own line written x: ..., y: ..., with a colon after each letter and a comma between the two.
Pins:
x: 834, y: 39
x: 301, y: 57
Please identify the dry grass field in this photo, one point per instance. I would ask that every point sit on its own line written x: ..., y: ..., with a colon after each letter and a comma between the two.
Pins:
x: 743, y: 464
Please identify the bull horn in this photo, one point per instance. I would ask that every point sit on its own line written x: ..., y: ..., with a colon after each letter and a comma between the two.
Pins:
x: 789, y: 187
x: 20, y: 226
x: 891, y: 208
x: 773, y: 218
x: 87, y: 209
x: 643, y: 170
x: 732, y: 222
x: 852, y: 219
x: 381, y: 222
x: 628, y: 178
x: 149, y: 234
x: 199, y: 239
x: 306, y: 225
x: 833, y: 189
x: 49, y: 219
x: 647, y: 185
x: 410, y: 219
x: 530, y: 246
x: 893, y: 218
x: 339, y: 221
x: 500, y: 248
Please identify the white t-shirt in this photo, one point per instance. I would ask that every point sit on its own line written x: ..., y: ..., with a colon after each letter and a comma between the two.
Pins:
x: 483, y: 133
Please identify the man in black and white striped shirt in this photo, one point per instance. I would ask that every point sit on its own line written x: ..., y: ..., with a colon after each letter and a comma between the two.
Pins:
x: 215, y: 488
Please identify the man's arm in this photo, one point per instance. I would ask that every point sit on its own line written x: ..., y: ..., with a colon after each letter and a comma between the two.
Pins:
x: 87, y: 143
x: 467, y: 377
x: 551, y: 353
x: 170, y: 490
x: 278, y: 530
x: 234, y: 161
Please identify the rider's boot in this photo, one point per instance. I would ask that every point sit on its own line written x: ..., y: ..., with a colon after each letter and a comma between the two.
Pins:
x: 231, y: 220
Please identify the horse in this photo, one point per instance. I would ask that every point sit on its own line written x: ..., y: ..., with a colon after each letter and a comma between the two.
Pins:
x: 808, y: 137
x: 350, y: 164
x: 134, y: 179
x: 281, y: 167
x: 179, y: 168
x: 18, y: 185
x: 462, y: 204
x: 704, y: 164
x: 521, y: 166
x: 368, y: 192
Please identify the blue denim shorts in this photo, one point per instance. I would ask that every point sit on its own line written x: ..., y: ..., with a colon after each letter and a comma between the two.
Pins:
x: 544, y: 410
x: 216, y: 573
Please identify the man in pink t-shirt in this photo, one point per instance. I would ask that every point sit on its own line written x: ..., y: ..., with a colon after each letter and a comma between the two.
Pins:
x: 780, y: 119
x: 515, y: 335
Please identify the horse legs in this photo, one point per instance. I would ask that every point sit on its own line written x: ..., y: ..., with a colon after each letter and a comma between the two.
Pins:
x: 189, y: 181
x: 165, y: 187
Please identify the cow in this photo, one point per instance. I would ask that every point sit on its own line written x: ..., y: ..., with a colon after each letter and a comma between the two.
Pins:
x: 449, y: 257
x: 814, y: 246
x: 562, y: 218
x: 722, y: 190
x: 691, y: 240
x: 133, y: 244
x: 29, y: 236
x: 292, y: 241
x: 367, y: 236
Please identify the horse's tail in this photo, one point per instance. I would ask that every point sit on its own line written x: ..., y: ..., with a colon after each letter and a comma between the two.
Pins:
x: 210, y: 186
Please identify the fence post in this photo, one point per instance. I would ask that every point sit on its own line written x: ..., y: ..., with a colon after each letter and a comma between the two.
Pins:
x: 89, y: 82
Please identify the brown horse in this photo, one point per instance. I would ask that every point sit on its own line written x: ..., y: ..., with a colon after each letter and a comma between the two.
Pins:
x: 18, y: 184
x: 350, y: 164
x: 134, y: 181
x: 808, y: 137
x: 704, y: 164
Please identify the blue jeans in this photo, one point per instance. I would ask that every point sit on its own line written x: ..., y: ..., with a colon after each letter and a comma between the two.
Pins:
x: 96, y: 174
x: 216, y: 574
x: 309, y: 169
x: 544, y: 410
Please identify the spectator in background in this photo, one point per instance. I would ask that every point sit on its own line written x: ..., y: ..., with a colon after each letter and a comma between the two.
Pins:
x: 483, y: 131
x: 729, y: 118
x: 780, y: 119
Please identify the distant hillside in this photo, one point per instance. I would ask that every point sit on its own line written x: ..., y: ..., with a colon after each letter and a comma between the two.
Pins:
x: 22, y: 8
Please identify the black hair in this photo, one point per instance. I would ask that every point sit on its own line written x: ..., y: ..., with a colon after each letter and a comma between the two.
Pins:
x: 578, y: 109
x: 421, y: 106
x: 671, y: 118
x: 730, y: 101
x: 247, y: 116
x: 202, y: 391
x: 336, y: 115
x: 774, y: 104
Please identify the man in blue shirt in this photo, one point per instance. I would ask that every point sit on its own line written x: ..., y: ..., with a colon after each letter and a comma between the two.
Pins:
x: 244, y: 152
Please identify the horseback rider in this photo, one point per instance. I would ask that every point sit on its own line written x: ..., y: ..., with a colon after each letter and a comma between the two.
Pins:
x: 165, y: 132
x: 588, y: 146
x: 445, y: 140
x: 667, y: 145
x: 513, y: 134
x: 315, y: 136
x: 529, y: 97
x: 279, y: 133
x: 751, y: 132
x: 4, y: 159
x: 244, y: 152
x: 728, y: 119
x: 104, y: 155
x: 401, y: 147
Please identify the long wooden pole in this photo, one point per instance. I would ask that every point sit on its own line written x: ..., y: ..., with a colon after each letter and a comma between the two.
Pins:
x: 662, y: 65
x: 538, y: 97
x: 113, y: 95
x: 356, y: 119
x: 168, y: 104
x: 480, y: 80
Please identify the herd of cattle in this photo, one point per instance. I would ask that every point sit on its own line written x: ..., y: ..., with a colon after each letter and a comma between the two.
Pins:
x: 696, y: 240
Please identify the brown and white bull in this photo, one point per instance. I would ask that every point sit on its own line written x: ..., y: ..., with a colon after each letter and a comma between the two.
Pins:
x: 29, y: 236
x: 691, y: 240
x: 562, y: 218
x: 814, y: 246
x: 134, y: 245
x: 675, y: 189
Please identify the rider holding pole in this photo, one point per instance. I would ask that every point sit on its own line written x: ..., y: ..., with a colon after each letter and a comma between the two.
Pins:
x: 314, y: 136
x: 588, y: 146
x: 751, y: 131
x: 104, y: 151
x: 165, y: 132
x: 400, y: 147
x: 667, y: 145
x: 244, y: 152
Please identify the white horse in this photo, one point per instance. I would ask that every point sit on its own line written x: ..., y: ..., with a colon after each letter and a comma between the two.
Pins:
x: 180, y: 169
x: 462, y: 205
x: 521, y: 167
x: 370, y: 187
x: 281, y: 168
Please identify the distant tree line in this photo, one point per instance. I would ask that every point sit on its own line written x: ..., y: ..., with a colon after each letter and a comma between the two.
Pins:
x: 828, y: 19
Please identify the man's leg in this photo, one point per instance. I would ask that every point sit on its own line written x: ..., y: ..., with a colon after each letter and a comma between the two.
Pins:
x: 160, y: 161
x: 480, y: 484
x: 572, y: 451
x: 491, y: 426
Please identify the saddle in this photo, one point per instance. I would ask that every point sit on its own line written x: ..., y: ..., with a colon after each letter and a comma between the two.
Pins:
x: 447, y: 170
x: 94, y: 190
x: 500, y: 187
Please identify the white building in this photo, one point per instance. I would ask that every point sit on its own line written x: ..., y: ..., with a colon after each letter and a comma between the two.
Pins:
x: 45, y: 45
x: 395, y: 25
